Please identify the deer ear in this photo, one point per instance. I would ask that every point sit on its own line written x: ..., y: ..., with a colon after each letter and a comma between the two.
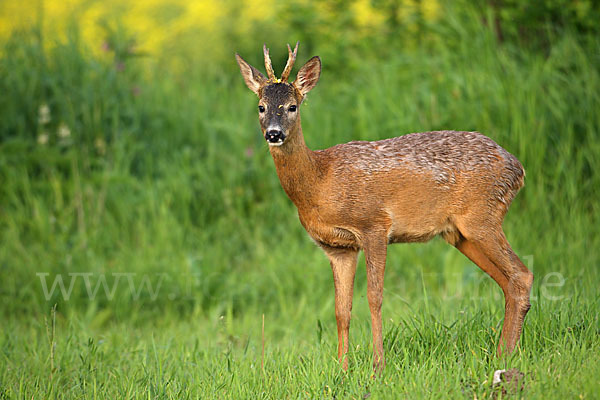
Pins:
x: 308, y: 76
x: 254, y: 79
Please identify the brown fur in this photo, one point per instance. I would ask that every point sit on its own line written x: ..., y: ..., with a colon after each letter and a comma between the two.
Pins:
x: 366, y: 195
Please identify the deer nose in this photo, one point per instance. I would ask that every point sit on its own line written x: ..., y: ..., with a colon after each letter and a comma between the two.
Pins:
x: 274, y: 136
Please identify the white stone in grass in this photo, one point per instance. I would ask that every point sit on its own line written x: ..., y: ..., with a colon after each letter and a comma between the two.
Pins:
x: 498, y: 376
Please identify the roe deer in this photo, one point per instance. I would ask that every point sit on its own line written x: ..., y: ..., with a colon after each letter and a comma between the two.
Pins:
x: 366, y: 195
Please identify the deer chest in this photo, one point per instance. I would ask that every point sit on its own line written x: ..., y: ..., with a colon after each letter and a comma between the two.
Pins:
x: 327, y: 233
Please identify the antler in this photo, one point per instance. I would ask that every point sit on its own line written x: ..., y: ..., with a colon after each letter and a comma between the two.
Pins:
x: 290, y: 62
x: 268, y: 65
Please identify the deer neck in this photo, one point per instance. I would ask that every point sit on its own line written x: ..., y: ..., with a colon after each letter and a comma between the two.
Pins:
x: 297, y: 168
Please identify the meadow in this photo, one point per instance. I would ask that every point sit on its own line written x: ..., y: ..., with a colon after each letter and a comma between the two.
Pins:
x: 144, y: 235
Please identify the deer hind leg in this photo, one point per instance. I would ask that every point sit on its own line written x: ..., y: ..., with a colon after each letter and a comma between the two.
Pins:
x: 375, y: 256
x: 493, y: 254
x: 343, y: 265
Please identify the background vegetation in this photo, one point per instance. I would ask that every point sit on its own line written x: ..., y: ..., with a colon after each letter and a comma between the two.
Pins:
x: 132, y: 168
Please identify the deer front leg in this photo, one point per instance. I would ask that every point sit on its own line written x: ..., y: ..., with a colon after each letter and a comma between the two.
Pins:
x: 375, y: 255
x: 343, y: 265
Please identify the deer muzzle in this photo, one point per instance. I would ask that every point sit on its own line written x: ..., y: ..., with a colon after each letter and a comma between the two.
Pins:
x: 274, y: 137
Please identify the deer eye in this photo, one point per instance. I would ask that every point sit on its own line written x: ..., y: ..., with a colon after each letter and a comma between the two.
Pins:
x: 261, y: 109
x: 292, y: 108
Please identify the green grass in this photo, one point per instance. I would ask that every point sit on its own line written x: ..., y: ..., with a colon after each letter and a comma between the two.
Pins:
x: 165, y: 180
x: 442, y: 353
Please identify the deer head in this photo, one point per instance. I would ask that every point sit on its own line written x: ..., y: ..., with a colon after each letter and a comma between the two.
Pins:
x: 278, y: 100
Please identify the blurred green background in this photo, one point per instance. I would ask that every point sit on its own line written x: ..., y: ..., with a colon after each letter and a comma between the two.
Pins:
x: 132, y: 169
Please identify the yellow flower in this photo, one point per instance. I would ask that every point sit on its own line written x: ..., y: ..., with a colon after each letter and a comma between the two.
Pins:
x: 44, y: 114
x: 100, y: 145
x: 42, y: 138
x: 63, y: 131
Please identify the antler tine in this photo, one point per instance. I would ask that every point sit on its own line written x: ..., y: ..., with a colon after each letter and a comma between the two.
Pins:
x: 290, y: 62
x: 268, y: 65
